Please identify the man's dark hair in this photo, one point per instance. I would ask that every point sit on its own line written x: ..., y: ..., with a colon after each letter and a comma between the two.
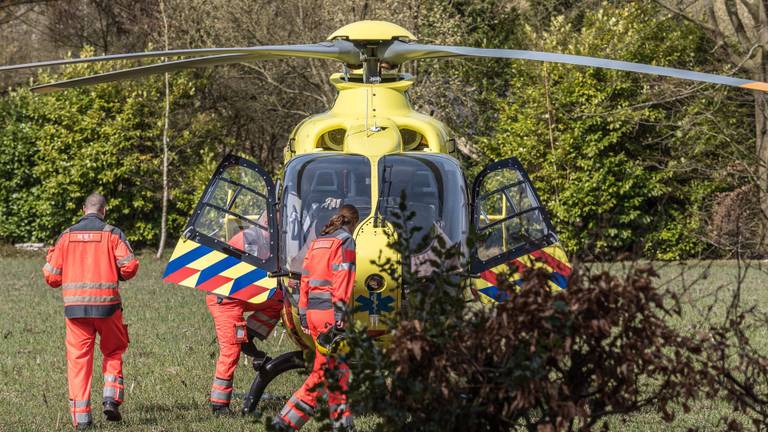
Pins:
x: 95, y: 202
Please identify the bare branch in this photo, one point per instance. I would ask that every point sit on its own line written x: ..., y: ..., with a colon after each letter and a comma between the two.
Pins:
x: 732, y: 10
x: 683, y: 14
x: 266, y: 77
x: 753, y: 8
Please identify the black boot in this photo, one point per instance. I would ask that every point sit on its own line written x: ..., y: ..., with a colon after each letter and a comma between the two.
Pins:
x: 83, y: 426
x: 222, y: 410
x: 112, y: 412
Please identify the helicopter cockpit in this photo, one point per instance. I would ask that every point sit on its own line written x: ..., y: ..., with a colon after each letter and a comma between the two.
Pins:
x: 436, y: 195
x: 316, y: 186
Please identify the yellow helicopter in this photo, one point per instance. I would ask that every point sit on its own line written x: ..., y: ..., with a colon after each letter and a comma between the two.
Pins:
x: 366, y: 150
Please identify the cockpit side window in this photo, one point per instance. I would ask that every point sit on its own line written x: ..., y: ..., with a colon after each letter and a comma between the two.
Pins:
x: 316, y: 186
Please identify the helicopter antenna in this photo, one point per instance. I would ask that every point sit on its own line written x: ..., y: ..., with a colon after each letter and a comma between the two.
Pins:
x: 345, y: 73
x: 367, y: 113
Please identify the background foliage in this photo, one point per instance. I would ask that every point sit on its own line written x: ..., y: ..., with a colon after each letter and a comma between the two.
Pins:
x: 625, y: 163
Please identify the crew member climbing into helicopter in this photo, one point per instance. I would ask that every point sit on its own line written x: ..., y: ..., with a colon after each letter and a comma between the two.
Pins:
x: 234, y: 333
x: 327, y: 282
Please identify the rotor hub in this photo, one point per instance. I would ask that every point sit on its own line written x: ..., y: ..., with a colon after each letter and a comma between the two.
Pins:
x: 370, y: 30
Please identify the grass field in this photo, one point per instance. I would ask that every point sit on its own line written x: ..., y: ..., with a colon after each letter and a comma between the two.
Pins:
x: 169, y: 365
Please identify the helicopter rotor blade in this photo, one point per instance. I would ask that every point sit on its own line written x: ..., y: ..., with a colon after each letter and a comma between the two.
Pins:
x: 128, y: 56
x: 340, y: 50
x: 398, y: 52
x: 142, y: 71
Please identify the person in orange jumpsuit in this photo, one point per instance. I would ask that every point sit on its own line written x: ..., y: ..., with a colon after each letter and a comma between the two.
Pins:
x: 327, y: 281
x: 87, y: 261
x: 231, y: 327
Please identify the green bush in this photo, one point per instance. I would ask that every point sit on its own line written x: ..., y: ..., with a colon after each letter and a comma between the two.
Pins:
x: 624, y: 162
x: 55, y: 149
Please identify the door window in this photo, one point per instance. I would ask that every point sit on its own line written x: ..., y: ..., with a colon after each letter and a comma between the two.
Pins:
x: 236, y: 213
x: 508, y: 215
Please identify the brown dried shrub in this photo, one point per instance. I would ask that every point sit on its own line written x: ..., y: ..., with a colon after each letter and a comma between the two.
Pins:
x: 542, y: 360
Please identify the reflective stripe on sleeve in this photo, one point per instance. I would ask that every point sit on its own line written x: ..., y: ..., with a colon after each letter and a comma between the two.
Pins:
x: 343, y: 266
x: 51, y: 269
x: 126, y: 260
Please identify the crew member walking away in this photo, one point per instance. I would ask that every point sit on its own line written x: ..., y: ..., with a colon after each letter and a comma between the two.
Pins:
x: 87, y: 261
x: 326, y: 287
x: 232, y: 330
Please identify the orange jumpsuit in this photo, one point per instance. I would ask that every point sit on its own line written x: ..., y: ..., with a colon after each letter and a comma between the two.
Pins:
x: 326, y: 287
x: 231, y: 330
x: 87, y: 261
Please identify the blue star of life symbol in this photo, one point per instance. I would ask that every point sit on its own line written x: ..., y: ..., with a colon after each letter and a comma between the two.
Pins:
x: 375, y: 303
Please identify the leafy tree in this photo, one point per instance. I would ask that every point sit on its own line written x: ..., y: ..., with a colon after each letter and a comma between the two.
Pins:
x: 615, y: 155
x: 58, y: 148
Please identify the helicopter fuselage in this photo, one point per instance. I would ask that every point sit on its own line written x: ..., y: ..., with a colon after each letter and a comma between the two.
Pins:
x: 365, y: 150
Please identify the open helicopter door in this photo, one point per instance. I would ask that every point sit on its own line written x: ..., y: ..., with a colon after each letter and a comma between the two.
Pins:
x: 229, y: 246
x: 515, y: 232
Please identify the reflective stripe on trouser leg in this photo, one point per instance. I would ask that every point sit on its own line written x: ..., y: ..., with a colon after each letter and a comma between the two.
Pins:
x: 81, y: 411
x: 345, y: 423
x: 114, y: 390
x: 262, y: 323
x: 341, y: 417
x: 221, y: 391
x: 296, y: 412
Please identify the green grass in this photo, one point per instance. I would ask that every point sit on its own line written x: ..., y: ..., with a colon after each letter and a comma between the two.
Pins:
x: 168, y: 367
x: 169, y: 364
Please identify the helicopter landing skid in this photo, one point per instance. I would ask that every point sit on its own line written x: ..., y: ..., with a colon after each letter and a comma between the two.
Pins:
x: 268, y: 371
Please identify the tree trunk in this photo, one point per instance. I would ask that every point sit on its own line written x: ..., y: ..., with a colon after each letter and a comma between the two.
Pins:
x: 164, y: 216
x: 760, y: 73
x: 761, y: 144
x: 166, y: 114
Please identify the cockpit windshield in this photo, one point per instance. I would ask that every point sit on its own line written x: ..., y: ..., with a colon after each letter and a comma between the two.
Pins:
x: 435, y: 192
x: 316, y: 186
